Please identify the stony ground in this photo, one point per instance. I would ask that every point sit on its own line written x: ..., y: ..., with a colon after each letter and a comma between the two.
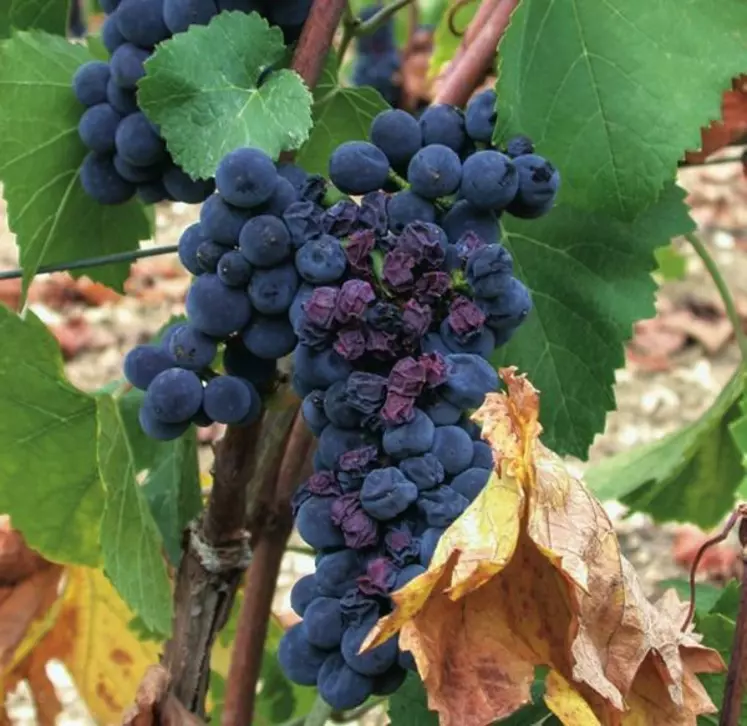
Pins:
x: 677, y: 364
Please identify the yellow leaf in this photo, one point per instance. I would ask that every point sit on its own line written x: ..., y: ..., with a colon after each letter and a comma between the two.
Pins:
x: 90, y: 636
x: 532, y: 575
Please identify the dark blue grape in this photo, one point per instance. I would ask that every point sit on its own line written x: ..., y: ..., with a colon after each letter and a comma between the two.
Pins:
x: 138, y: 142
x: 304, y: 222
x: 434, y: 343
x: 509, y: 309
x: 320, y: 369
x: 180, y: 14
x: 174, y: 396
x: 141, y: 22
x: 463, y: 217
x: 300, y: 661
x: 386, y: 493
x: 473, y: 429
x: 288, y: 12
x: 322, y: 622
x: 334, y: 442
x: 221, y: 221
x: 158, y: 429
x: 398, y: 135
x: 302, y: 593
x: 428, y: 543
x: 337, y: 409
x: 340, y: 686
x: 519, y: 146
x: 209, y: 254
x: 390, y: 682
x: 144, y: 362
x: 191, y: 239
x: 282, y: 197
x: 126, y: 65
x: 378, y: 70
x: 136, y: 174
x: 312, y: 409
x: 98, y: 127
x: 489, y: 271
x: 215, y: 309
x: 539, y: 182
x: 294, y: 174
x: 183, y: 188
x: 228, y: 399
x: 441, y: 507
x: 296, y: 313
x: 470, y: 483
x: 480, y: 116
x: 435, y: 171
x: 357, y: 167
x: 121, y: 99
x: 269, y: 338
x: 337, y: 572
x: 246, y: 178
x: 481, y: 344
x: 102, y: 182
x: 192, y: 349
x: 109, y: 6
x: 410, y: 439
x: 482, y: 456
x: 322, y: 260
x: 443, y: 413
x: 373, y: 662
x: 406, y: 574
x: 90, y: 82
x: 152, y: 192
x: 238, y: 361
x: 443, y: 124
x: 489, y: 181
x: 265, y: 241
x: 426, y: 471
x: 406, y: 207
x: 272, y: 291
x: 110, y: 35
x: 406, y: 661
x: 469, y: 379
x: 255, y: 408
x: 233, y: 269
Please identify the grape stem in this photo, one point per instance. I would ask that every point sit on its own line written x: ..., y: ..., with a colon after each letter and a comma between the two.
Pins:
x: 723, y: 289
x: 468, y: 69
x: 271, y: 526
x: 93, y: 262
x: 354, y: 27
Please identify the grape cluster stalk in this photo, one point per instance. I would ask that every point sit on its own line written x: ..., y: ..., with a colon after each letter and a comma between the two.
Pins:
x: 127, y: 155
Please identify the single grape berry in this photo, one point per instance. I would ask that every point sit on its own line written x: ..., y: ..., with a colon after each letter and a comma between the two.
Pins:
x: 90, y: 82
x: 480, y: 116
x: 435, y: 171
x: 138, y: 141
x: 398, y: 135
x: 357, y: 167
x: 489, y: 181
x: 215, y: 309
x: 246, y: 178
x: 127, y: 65
x: 192, y: 349
x: 443, y: 125
x: 98, y: 126
x: 228, y: 399
x: 233, y: 269
x: 174, y: 396
x: 102, y: 182
x: 144, y: 362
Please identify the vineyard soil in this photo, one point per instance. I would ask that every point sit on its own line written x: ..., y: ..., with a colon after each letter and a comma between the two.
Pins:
x: 655, y: 394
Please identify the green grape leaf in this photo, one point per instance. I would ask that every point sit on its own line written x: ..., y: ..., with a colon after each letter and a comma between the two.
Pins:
x: 408, y: 706
x: 48, y: 15
x: 706, y: 595
x: 340, y: 114
x: 671, y: 264
x: 49, y: 480
x: 172, y: 489
x: 40, y: 158
x: 613, y: 93
x: 201, y: 89
x: 590, y: 279
x: 690, y: 475
x: 717, y: 630
x: 169, y: 473
x: 130, y: 540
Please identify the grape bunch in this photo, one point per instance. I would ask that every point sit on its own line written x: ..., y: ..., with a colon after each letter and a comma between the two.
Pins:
x: 409, y: 298
x: 377, y: 59
x: 241, y: 254
x: 127, y: 154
